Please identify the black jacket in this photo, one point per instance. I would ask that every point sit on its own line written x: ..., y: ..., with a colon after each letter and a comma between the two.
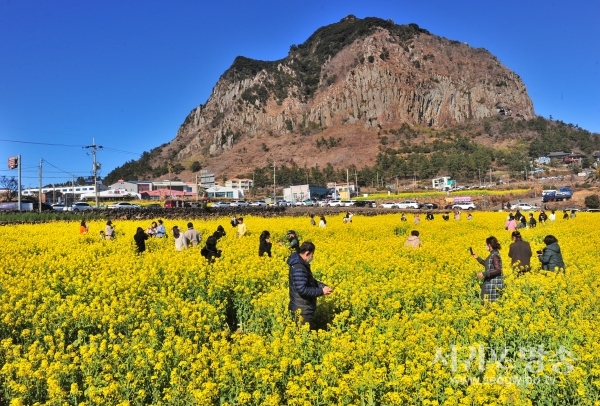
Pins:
x: 264, y: 247
x: 210, y: 251
x: 140, y: 241
x: 304, y: 288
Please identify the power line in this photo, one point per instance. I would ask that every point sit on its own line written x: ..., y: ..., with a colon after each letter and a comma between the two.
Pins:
x: 42, y: 143
x: 69, y: 146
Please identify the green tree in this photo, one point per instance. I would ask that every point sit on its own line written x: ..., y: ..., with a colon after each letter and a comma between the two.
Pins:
x: 195, y: 166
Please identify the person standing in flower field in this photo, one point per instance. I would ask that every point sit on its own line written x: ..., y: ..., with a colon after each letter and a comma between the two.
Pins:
x: 161, y: 231
x: 493, y: 280
x: 241, y: 228
x: 303, y: 287
x: 265, y: 244
x: 181, y: 242
x: 109, y: 230
x: 83, y: 228
x: 210, y: 250
x: 413, y: 241
x: 312, y: 220
x: 140, y: 238
x: 511, y: 223
x: 192, y: 235
x: 551, y: 257
x: 293, y: 243
x: 520, y: 253
x: 323, y: 222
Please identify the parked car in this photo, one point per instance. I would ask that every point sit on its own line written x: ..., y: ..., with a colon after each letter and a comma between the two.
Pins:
x: 348, y: 203
x: 305, y: 203
x: 58, y: 206
x: 464, y: 206
x: 79, y: 206
x: 524, y: 207
x: 593, y: 210
x: 176, y: 203
x: 124, y: 205
x: 153, y: 206
x: 389, y: 205
x: 239, y: 203
x: 408, y: 204
x: 283, y: 203
x: 259, y: 203
x: 365, y: 203
x: 220, y: 204
x: 323, y: 203
x: 334, y: 203
x: 428, y: 206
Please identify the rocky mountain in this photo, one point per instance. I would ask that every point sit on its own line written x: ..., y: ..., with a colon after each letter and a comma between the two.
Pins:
x: 332, y: 97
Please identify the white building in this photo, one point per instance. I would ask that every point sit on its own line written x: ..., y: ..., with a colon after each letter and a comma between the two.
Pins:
x: 299, y: 193
x: 224, y: 192
x: 443, y: 183
x: 78, y: 190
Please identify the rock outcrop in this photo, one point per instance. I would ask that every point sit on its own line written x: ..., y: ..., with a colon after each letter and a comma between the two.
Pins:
x: 356, y: 76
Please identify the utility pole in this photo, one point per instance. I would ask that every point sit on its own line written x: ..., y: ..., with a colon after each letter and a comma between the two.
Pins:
x: 479, y: 177
x: 95, y: 168
x: 40, y: 190
x: 19, y: 180
x: 73, y: 189
x: 347, y: 184
x: 274, y: 185
x: 169, y: 180
x: 491, y: 181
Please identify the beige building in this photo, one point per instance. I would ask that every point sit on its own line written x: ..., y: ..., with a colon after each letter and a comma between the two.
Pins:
x: 235, y: 183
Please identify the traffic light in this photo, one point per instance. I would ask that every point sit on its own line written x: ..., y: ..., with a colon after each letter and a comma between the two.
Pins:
x: 13, y: 162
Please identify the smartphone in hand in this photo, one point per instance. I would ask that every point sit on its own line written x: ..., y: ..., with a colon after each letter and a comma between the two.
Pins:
x: 471, y: 250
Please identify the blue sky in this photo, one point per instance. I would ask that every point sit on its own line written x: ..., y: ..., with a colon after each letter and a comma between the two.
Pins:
x: 126, y: 73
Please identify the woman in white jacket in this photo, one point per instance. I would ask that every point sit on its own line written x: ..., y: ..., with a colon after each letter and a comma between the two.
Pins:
x: 181, y: 242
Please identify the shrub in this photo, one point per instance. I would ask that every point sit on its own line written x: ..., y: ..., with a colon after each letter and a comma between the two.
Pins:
x: 592, y: 202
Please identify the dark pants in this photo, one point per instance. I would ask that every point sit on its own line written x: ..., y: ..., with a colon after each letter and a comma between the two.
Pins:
x: 301, y: 316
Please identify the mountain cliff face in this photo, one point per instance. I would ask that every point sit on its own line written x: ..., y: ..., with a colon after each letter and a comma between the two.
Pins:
x: 348, y: 81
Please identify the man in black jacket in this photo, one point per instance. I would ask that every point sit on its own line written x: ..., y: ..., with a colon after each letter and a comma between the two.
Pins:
x: 304, y: 288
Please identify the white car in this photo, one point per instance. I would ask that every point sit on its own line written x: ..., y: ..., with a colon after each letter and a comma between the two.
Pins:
x: 124, y: 205
x: 334, y: 203
x: 524, y: 207
x: 464, y: 206
x: 58, y: 206
x: 408, y: 204
x: 348, y: 203
x: 389, y: 205
x: 79, y: 206
x: 322, y: 203
x: 259, y: 203
x: 220, y: 204
x: 239, y: 203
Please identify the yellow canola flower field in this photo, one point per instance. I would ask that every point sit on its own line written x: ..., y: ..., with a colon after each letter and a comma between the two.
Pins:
x: 85, y: 321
